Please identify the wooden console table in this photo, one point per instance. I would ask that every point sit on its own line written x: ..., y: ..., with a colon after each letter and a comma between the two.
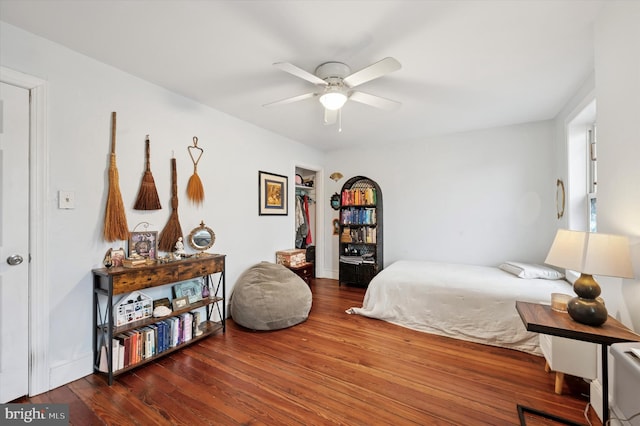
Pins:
x: 111, y: 282
x: 542, y: 319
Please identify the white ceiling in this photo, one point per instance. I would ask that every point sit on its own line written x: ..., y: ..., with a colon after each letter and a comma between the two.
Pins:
x: 465, y: 64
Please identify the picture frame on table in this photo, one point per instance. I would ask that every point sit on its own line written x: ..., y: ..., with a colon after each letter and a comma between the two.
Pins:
x: 117, y: 257
x: 180, y: 303
x: 144, y: 244
x: 273, y: 194
x: 192, y: 290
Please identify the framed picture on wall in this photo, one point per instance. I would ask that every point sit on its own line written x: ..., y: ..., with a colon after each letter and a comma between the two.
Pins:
x: 273, y: 195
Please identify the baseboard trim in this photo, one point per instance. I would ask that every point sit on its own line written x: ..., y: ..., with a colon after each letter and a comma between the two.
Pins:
x: 62, y: 374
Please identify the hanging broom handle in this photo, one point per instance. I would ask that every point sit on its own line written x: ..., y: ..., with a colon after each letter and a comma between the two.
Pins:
x: 174, y: 185
x: 148, y: 154
x: 113, y: 132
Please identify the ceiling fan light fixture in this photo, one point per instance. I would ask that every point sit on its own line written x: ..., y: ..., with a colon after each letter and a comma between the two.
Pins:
x: 333, y: 100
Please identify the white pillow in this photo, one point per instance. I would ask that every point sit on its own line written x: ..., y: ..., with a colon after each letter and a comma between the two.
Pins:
x: 528, y: 270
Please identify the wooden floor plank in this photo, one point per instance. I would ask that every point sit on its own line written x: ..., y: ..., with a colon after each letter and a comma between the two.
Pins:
x: 333, y: 368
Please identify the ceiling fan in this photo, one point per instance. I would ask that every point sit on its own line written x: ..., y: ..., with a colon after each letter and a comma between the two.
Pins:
x: 335, y: 83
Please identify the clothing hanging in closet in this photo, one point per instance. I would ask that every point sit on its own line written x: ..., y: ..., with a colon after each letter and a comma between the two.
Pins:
x: 303, y: 230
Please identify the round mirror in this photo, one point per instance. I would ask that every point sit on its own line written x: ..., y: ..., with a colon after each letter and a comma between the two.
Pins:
x: 202, y: 237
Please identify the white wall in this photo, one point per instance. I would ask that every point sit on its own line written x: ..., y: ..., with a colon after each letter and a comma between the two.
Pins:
x: 478, y: 197
x: 616, y: 88
x: 617, y: 66
x: 82, y: 93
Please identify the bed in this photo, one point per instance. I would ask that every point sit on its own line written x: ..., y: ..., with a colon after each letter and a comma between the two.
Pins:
x: 468, y: 302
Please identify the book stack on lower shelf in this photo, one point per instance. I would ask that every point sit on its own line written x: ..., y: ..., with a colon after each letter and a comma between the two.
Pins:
x: 144, y: 343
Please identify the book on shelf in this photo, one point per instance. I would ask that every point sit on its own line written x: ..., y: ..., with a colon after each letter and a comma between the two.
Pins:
x: 128, y: 342
x: 358, y: 216
x: 187, y: 326
x: 119, y: 352
x: 149, y: 342
x: 104, y: 358
x: 134, y: 346
x: 175, y: 332
x: 160, y: 337
x: 359, y: 197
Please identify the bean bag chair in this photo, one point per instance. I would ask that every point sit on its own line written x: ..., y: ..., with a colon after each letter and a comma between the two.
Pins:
x: 268, y: 296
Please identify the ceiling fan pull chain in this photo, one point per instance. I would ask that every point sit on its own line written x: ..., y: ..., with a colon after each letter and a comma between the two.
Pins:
x: 340, y: 120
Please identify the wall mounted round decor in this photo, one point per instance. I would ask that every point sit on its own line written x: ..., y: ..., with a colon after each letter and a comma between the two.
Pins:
x: 335, y: 201
x: 560, y: 198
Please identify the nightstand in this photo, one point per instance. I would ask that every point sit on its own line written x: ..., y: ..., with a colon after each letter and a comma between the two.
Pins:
x: 542, y: 319
x: 304, y: 271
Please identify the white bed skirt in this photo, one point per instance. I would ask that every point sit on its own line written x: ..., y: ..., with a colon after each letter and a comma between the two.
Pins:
x: 468, y: 302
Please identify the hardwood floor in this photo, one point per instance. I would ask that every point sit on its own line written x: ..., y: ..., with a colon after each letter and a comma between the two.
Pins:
x: 334, y: 368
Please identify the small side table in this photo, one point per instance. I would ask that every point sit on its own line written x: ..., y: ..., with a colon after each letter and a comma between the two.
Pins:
x: 304, y: 271
x: 542, y: 319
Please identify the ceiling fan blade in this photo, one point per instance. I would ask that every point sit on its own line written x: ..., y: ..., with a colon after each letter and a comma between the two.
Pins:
x: 290, y: 100
x: 374, y: 101
x: 299, y: 72
x: 330, y: 116
x: 373, y: 71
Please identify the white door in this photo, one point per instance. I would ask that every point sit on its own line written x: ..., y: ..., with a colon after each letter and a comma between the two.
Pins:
x: 14, y: 242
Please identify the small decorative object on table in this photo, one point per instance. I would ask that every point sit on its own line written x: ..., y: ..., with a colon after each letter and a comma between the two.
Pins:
x: 197, y: 331
x: 559, y: 301
x: 179, y: 251
x: 205, y: 290
x: 292, y: 257
x: 133, y: 307
x: 106, y: 261
x: 134, y: 261
x: 117, y: 256
x: 161, y: 311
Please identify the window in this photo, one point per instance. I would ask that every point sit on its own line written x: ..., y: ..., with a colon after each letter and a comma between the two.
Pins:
x: 592, y: 177
x: 582, y: 175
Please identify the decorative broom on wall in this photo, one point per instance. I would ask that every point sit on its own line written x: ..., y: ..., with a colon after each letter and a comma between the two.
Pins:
x: 172, y: 230
x: 115, y: 219
x: 148, y: 194
x: 195, y: 191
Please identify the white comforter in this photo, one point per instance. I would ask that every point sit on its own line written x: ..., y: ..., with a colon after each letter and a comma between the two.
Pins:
x: 468, y: 302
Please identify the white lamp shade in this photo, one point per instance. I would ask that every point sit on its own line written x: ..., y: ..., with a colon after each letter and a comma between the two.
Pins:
x: 333, y: 100
x: 591, y: 253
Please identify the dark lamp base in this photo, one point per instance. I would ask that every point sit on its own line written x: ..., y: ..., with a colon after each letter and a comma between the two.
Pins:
x: 587, y: 311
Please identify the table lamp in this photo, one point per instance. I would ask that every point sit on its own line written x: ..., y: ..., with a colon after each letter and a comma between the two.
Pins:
x: 590, y: 254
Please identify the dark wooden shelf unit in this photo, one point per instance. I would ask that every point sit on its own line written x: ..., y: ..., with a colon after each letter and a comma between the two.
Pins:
x: 360, y: 231
x: 111, y: 282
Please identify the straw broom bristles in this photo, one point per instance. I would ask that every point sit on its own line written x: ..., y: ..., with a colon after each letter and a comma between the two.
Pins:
x: 172, y: 230
x: 148, y: 194
x: 195, y: 190
x: 115, y: 219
